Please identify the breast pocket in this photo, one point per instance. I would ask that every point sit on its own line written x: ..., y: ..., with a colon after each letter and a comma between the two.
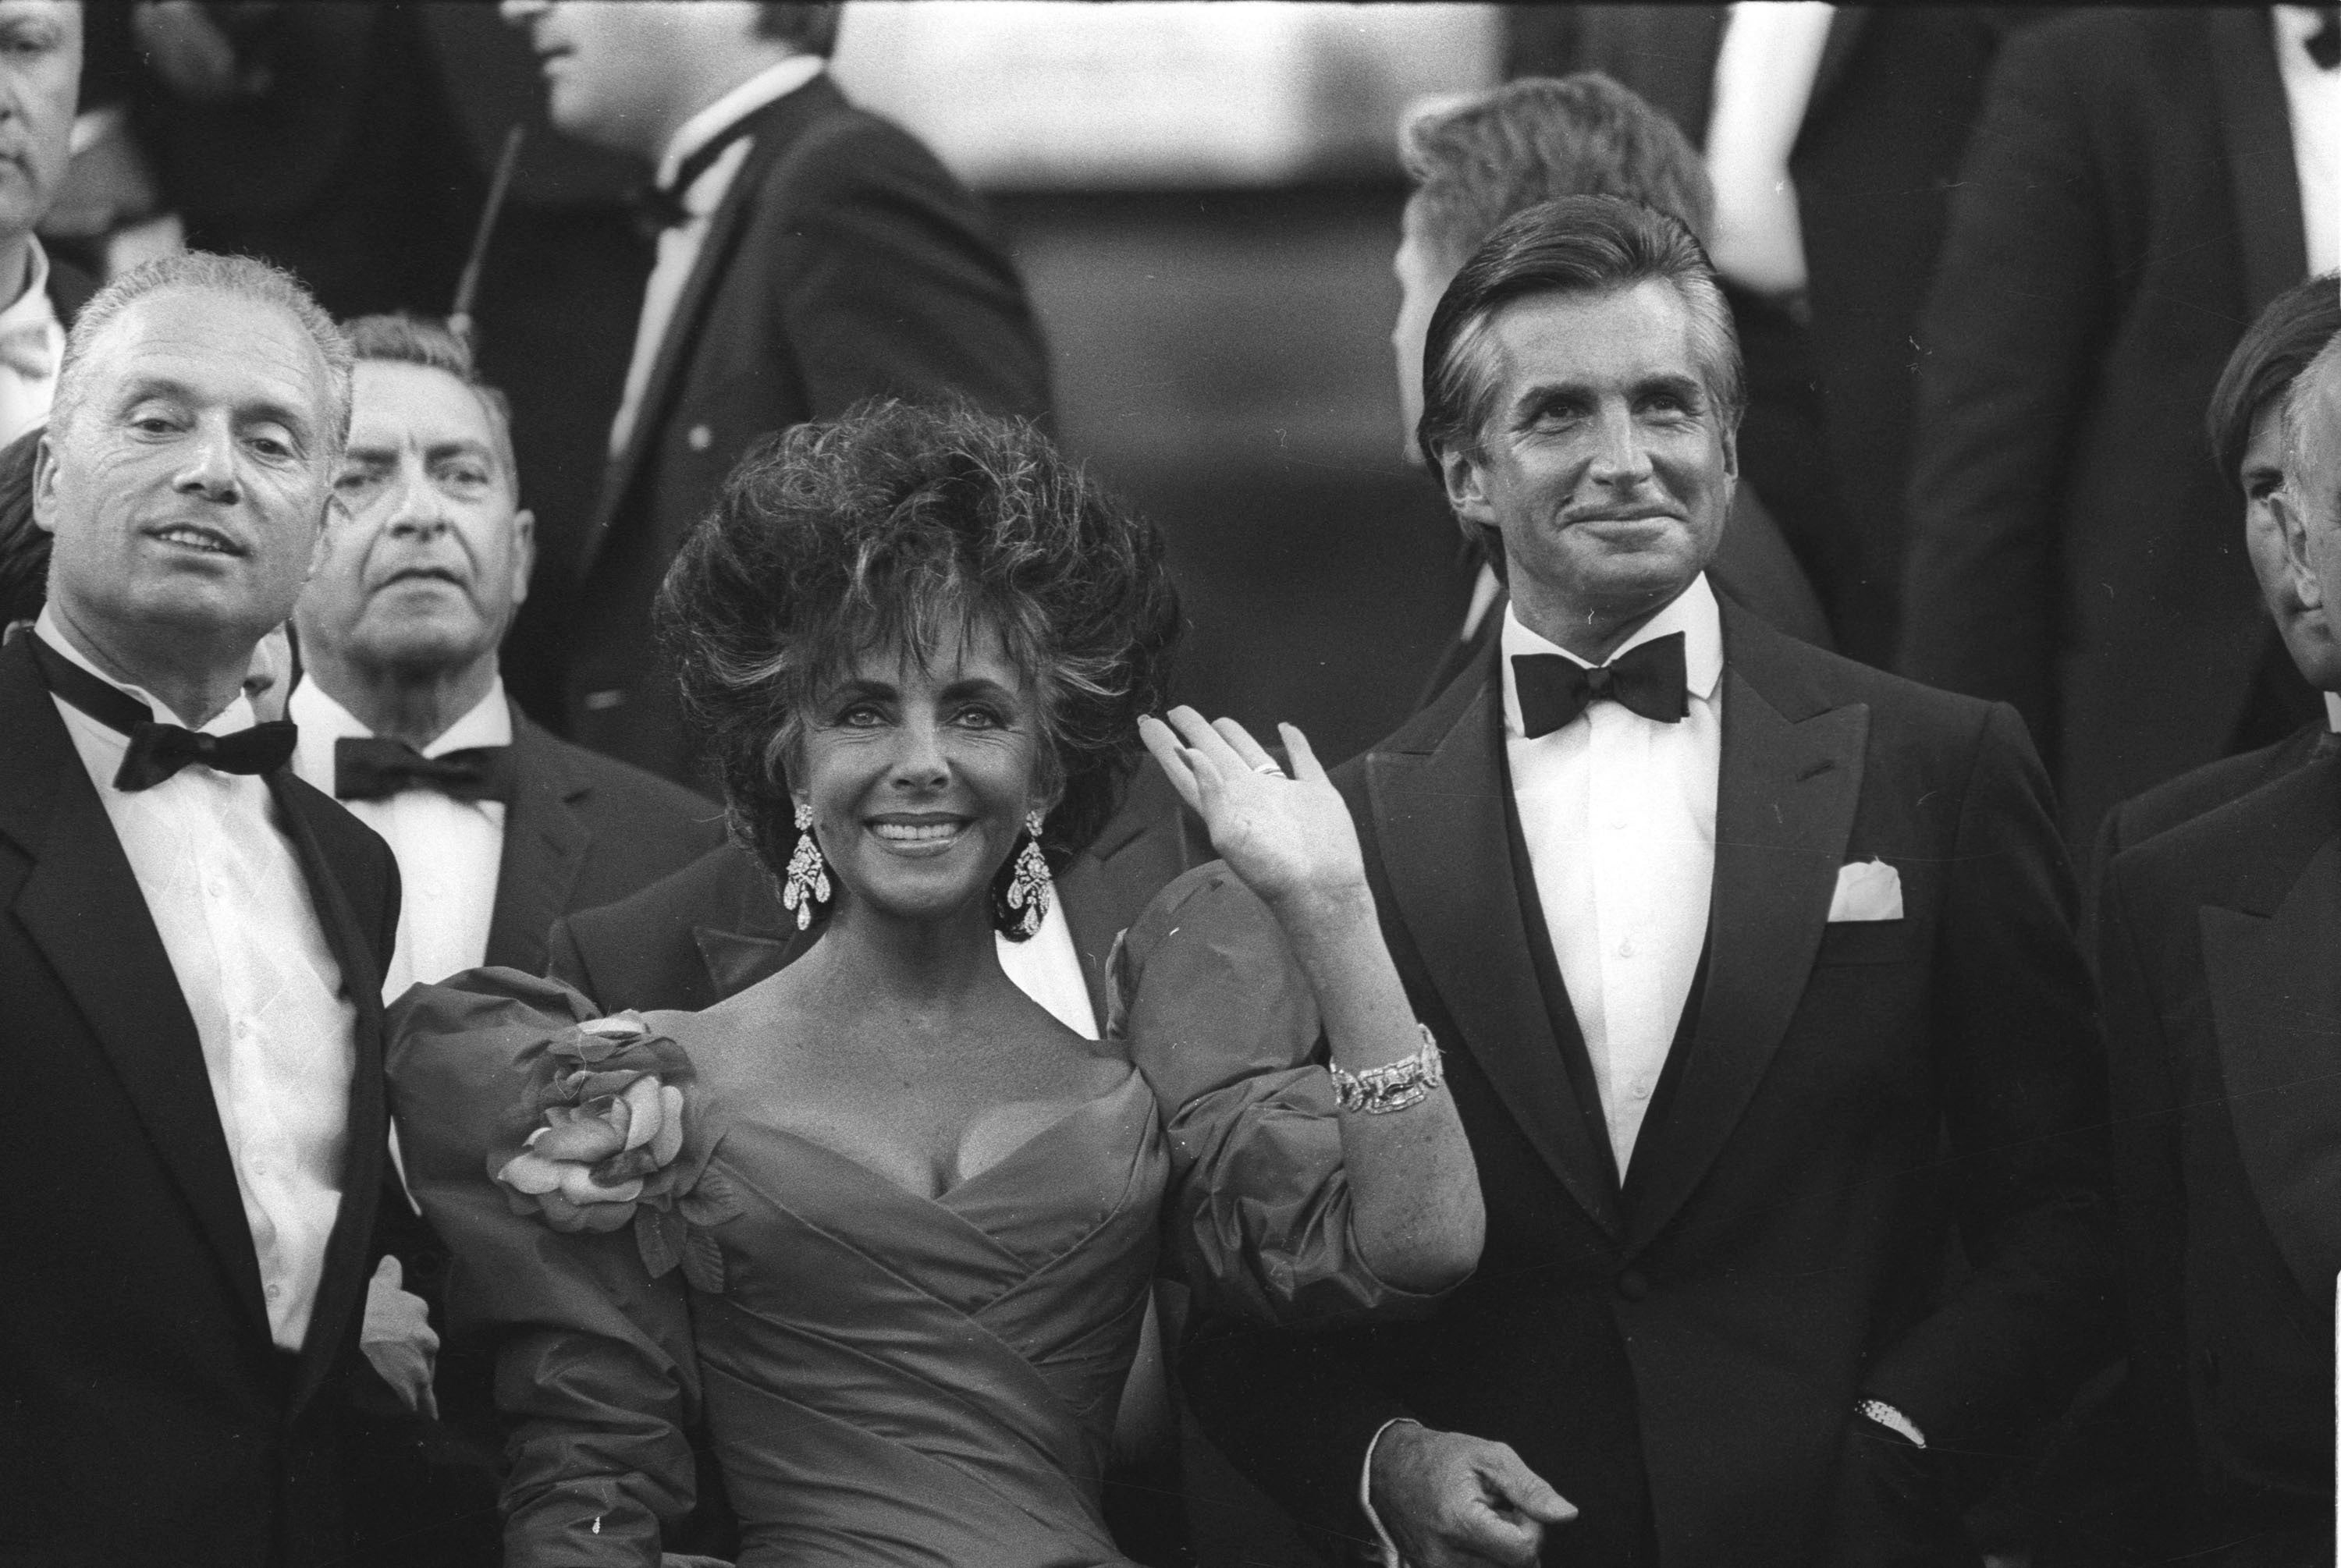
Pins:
x: 1870, y: 942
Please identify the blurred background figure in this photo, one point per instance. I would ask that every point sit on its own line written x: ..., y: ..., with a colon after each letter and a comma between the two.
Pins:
x: 40, y: 75
x: 809, y: 255
x: 1832, y: 134
x: 1475, y: 162
x: 2142, y: 185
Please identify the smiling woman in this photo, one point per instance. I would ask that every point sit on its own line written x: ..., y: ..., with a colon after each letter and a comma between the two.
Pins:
x: 906, y: 1234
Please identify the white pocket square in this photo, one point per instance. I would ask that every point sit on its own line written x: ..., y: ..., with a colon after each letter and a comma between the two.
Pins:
x: 1867, y: 890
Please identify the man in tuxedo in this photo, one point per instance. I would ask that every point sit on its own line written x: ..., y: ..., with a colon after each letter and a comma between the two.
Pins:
x: 1475, y: 162
x: 809, y: 255
x: 2134, y: 196
x: 2223, y: 1025
x: 191, y: 958
x: 1833, y: 135
x: 2247, y: 441
x: 40, y: 78
x: 500, y: 829
x: 1754, y: 971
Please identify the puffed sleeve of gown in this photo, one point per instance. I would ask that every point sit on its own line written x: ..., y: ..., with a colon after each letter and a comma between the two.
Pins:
x: 594, y: 1362
x: 1208, y: 1000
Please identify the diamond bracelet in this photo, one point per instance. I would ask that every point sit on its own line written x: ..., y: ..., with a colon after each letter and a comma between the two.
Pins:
x: 1394, y: 1086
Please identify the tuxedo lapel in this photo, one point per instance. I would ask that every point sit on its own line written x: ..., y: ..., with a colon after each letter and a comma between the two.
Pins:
x: 82, y: 907
x: 2275, y: 1007
x: 1438, y: 819
x: 1149, y: 842
x: 342, y: 1289
x: 1783, y: 810
x: 777, y: 126
x: 2261, y: 178
x: 546, y: 840
x: 752, y: 938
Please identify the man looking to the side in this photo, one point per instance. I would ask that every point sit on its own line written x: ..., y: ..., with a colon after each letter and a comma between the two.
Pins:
x: 500, y: 829
x: 1475, y: 162
x: 40, y: 82
x: 809, y: 255
x: 1755, y: 971
x: 2223, y: 1025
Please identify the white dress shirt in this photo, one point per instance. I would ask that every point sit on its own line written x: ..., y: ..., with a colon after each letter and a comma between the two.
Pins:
x: 449, y: 850
x: 1764, y: 71
x: 31, y: 342
x: 2312, y: 98
x: 1618, y: 815
x: 679, y: 247
x: 228, y: 899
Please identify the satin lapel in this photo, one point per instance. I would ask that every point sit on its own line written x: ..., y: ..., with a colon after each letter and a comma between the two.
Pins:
x: 82, y: 907
x: 1439, y: 819
x: 341, y: 1292
x: 1149, y: 842
x: 756, y: 938
x: 2276, y: 1008
x: 2261, y: 177
x: 546, y: 842
x: 778, y: 125
x: 1783, y: 810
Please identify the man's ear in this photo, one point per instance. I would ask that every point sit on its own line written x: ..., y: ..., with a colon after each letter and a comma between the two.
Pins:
x: 1467, y: 487
x: 523, y: 524
x: 44, y: 485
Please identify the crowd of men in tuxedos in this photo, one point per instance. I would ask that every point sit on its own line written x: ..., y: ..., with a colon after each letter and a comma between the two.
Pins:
x: 1835, y: 1214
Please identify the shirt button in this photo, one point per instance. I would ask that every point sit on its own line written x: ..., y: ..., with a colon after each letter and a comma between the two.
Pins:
x: 1643, y: 1089
x: 1617, y: 824
x: 275, y: 1292
x: 1626, y: 949
x: 700, y: 438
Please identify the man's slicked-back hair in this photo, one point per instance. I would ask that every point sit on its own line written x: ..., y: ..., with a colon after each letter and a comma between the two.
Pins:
x: 1583, y: 245
x: 2275, y: 350
x: 239, y: 277
x: 810, y: 29
x: 411, y: 339
x: 1478, y: 160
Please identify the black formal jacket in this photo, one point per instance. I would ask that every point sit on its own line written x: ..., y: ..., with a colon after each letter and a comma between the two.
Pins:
x: 1682, y: 1357
x: 584, y: 831
x: 843, y: 262
x: 716, y: 926
x: 2223, y: 1022
x: 2128, y: 205
x: 145, y: 1416
x: 1897, y: 92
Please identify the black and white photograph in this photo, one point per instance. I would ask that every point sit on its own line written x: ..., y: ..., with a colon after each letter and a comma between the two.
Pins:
x: 1168, y: 784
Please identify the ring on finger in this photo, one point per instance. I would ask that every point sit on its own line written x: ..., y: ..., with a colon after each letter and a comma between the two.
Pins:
x: 1268, y: 768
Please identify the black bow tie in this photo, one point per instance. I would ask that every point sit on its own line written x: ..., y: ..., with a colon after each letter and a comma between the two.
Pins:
x: 159, y: 750
x: 2324, y: 43
x: 371, y: 768
x: 658, y: 208
x: 1648, y: 680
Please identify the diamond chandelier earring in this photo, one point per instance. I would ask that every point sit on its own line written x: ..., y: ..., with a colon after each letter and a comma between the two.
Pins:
x: 1017, y: 913
x: 807, y: 880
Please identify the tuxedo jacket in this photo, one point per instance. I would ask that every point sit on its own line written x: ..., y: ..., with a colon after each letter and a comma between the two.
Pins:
x: 843, y: 262
x: 1681, y: 1355
x: 1897, y: 92
x: 2223, y: 1018
x: 146, y: 1416
x: 584, y: 831
x: 716, y: 926
x: 2129, y: 205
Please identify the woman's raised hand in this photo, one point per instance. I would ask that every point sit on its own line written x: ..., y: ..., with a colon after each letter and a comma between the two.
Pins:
x: 1288, y: 835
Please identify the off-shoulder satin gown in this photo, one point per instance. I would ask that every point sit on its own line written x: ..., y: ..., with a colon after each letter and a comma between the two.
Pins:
x: 887, y: 1379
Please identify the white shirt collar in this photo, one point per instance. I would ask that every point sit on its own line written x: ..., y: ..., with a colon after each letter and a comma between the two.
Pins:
x: 2293, y: 26
x: 1692, y: 612
x: 2333, y: 713
x: 488, y: 722
x: 237, y: 715
x: 767, y: 85
x: 32, y: 307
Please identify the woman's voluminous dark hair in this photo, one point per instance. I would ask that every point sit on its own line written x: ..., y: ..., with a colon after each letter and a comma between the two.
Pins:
x: 2275, y: 350
x: 903, y: 527
x: 1575, y: 245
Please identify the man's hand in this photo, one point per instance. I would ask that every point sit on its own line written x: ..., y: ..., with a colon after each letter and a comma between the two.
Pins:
x: 1454, y: 1500
x: 398, y: 1340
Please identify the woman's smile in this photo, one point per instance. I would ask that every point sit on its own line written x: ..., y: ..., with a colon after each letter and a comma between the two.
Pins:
x: 917, y: 833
